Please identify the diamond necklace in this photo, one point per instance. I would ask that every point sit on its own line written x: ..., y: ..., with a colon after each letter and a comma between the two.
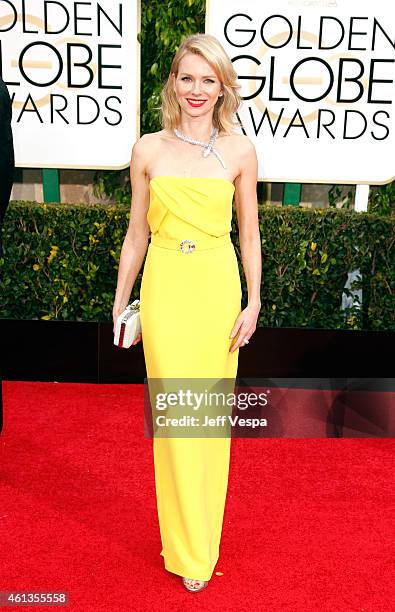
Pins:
x: 208, y: 147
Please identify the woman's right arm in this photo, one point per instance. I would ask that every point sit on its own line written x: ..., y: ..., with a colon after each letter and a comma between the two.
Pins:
x: 135, y: 243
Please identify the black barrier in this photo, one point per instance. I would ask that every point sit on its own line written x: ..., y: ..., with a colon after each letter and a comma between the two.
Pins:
x: 360, y: 389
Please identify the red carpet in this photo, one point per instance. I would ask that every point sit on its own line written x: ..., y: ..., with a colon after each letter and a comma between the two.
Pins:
x: 307, y: 524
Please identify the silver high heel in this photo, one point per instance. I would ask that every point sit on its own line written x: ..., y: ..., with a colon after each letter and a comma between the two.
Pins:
x: 192, y: 589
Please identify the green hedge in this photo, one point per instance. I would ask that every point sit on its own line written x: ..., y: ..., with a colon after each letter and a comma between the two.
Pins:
x: 60, y: 262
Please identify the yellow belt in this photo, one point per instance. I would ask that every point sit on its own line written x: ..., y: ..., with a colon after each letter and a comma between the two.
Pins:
x: 188, y: 246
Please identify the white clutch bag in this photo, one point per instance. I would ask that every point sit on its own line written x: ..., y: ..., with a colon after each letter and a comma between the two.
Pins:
x: 128, y: 326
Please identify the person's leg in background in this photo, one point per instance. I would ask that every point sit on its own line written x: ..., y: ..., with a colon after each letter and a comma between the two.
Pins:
x: 7, y: 161
x: 7, y: 167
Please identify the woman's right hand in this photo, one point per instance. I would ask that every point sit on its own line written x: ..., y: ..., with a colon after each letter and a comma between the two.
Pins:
x: 115, y: 314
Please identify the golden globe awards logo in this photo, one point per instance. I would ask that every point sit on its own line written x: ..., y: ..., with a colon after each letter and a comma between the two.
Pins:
x: 317, y: 80
x: 71, y: 69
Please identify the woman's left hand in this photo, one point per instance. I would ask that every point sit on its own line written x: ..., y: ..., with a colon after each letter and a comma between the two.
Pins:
x: 245, y: 325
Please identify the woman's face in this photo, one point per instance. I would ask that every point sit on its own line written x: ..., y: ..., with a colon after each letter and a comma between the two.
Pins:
x: 196, y: 80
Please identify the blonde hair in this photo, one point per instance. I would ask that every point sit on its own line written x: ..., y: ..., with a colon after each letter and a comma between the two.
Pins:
x: 210, y: 49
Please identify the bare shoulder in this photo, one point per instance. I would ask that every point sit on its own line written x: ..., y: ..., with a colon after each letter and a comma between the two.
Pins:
x: 144, y: 147
x: 146, y: 140
x: 243, y: 143
x: 240, y: 143
x: 243, y: 153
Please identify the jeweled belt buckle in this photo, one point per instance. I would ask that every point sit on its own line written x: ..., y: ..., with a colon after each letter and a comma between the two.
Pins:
x: 190, y: 245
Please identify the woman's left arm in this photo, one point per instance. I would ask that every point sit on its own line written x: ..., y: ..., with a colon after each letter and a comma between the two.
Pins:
x: 246, y: 204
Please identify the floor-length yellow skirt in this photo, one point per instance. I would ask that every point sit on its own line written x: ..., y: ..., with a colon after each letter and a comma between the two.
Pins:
x: 189, y: 302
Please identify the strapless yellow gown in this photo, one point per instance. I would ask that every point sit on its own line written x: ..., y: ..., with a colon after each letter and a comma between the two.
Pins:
x: 189, y: 302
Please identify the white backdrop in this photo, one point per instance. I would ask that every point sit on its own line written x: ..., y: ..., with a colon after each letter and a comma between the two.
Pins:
x: 70, y: 109
x: 328, y: 119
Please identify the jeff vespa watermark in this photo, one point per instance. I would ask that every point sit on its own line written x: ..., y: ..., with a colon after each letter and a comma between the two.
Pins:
x: 269, y: 408
x: 201, y: 407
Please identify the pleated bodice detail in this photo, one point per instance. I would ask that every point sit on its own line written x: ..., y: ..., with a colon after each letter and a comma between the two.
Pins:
x: 193, y: 204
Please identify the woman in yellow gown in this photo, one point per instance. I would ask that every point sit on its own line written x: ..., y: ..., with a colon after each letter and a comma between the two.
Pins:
x: 190, y: 295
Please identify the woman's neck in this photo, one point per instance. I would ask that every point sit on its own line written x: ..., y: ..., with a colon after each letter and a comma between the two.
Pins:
x: 197, y: 132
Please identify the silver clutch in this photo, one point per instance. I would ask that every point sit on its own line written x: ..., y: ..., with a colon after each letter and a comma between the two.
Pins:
x: 128, y: 326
